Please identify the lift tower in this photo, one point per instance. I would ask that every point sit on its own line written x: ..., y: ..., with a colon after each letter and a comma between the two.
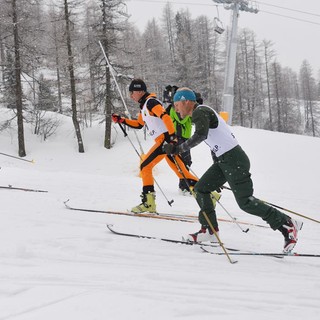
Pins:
x: 230, y: 67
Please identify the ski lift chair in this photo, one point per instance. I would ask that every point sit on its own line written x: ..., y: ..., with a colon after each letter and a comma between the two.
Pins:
x: 218, y: 26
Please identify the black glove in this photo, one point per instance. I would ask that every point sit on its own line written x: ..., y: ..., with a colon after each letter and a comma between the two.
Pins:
x: 169, y: 148
x: 170, y: 138
x: 218, y: 190
x: 116, y: 118
x: 214, y: 157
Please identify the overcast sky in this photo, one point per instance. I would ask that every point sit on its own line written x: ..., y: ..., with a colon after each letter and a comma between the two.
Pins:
x: 292, y: 25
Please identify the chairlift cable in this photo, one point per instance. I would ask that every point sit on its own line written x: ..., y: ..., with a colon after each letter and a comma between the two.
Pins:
x: 292, y: 18
x: 258, y: 2
x: 295, y: 10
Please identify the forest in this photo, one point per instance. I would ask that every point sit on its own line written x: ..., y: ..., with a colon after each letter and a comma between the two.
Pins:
x: 51, y: 61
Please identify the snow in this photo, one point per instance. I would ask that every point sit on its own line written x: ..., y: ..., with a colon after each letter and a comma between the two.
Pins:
x: 62, y: 264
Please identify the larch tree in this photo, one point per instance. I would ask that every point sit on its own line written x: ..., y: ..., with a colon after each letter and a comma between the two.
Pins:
x: 290, y: 112
x: 204, y: 35
x: 268, y: 54
x: 248, y: 56
x: 168, y: 22
x: 72, y: 77
x: 309, y: 96
x: 156, y: 57
x: 55, y: 52
x: 18, y: 85
x: 277, y: 83
x: 185, y: 65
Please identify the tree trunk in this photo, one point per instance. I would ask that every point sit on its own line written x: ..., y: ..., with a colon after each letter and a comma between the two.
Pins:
x: 107, y: 135
x: 2, y: 56
x: 267, y: 58
x: 277, y: 93
x: 18, y: 87
x: 72, y: 80
x: 57, y: 60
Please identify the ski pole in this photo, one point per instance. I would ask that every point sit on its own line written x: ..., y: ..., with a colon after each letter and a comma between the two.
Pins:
x: 10, y: 187
x: 120, y: 93
x: 126, y: 135
x: 129, y: 115
x: 204, y: 214
x: 225, y: 210
x: 220, y: 242
x: 8, y: 155
x: 296, y: 213
x: 284, y: 209
x: 234, y: 220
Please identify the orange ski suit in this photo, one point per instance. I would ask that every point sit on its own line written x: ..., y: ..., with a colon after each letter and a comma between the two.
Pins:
x: 151, y: 107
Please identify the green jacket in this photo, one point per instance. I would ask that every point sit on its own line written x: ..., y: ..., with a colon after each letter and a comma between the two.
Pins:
x: 183, y: 127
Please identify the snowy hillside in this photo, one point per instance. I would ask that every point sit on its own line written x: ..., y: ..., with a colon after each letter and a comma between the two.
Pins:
x: 62, y: 264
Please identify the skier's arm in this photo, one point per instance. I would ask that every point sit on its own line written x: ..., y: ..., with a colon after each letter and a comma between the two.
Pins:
x: 136, y: 124
x: 201, y: 122
x: 159, y: 111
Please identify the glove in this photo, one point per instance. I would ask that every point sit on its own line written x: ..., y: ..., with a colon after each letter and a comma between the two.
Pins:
x: 170, y: 138
x: 116, y: 118
x: 219, y: 190
x: 169, y: 148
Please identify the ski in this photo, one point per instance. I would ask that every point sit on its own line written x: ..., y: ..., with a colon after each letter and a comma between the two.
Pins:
x: 189, y: 243
x: 131, y: 214
x: 164, y: 216
x: 133, y: 235
x: 243, y: 253
x: 188, y: 216
x: 268, y: 254
x: 9, y: 187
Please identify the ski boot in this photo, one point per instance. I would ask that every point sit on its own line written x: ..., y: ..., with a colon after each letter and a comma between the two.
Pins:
x: 148, y: 203
x: 290, y: 232
x: 203, y: 235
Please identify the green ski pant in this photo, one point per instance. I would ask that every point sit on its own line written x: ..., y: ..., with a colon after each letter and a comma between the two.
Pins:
x: 233, y: 167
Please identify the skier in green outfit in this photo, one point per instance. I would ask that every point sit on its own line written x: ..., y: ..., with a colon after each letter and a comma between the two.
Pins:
x: 232, y: 166
x: 183, y: 128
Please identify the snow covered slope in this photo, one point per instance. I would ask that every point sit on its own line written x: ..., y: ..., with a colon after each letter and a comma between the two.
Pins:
x: 62, y: 264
